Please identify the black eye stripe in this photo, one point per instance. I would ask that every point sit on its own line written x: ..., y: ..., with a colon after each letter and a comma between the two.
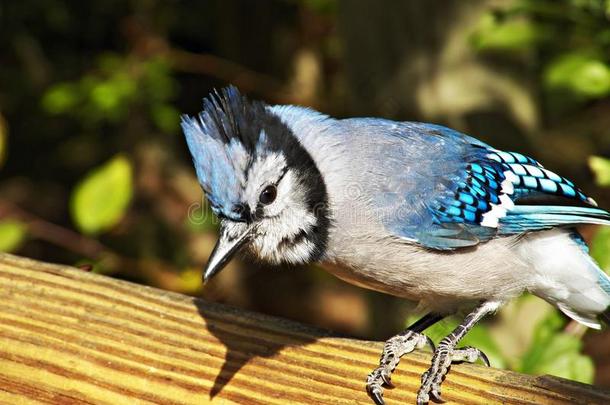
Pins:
x: 284, y: 171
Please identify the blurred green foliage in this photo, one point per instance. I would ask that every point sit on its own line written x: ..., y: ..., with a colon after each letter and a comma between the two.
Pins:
x: 115, y: 85
x: 601, y: 169
x: 12, y: 235
x: 100, y: 200
x: 572, y: 38
x: 585, y: 75
x: 95, y: 171
x: 550, y: 350
x: 600, y: 246
x: 496, y: 34
x: 555, y: 352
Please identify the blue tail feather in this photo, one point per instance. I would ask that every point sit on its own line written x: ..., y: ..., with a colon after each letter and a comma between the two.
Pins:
x: 524, y: 218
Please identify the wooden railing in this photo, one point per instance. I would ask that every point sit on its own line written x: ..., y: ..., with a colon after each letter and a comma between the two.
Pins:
x: 67, y: 336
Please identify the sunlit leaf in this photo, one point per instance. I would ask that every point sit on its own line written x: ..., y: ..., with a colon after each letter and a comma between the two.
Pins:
x: 583, y: 74
x: 12, y: 235
x: 105, y: 96
x: 560, y: 356
x: 511, y: 34
x: 101, y: 199
x: 60, y: 98
x: 601, y: 168
x: 600, y: 248
x: 190, y: 280
x: 557, y: 353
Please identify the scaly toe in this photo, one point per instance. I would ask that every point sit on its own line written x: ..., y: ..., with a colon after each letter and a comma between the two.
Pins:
x: 470, y: 354
x: 373, y: 385
x: 435, y: 395
x: 386, y: 377
x: 484, y: 358
x: 393, y: 350
x: 422, y: 398
x: 378, y: 398
x: 374, y: 390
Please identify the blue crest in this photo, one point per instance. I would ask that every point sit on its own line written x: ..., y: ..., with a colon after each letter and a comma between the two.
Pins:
x: 223, y: 140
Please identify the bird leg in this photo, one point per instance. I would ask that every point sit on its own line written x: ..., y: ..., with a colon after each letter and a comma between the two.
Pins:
x: 446, y: 353
x: 396, y: 347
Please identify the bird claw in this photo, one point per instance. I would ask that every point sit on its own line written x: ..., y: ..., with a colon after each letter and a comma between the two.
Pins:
x: 393, y: 350
x: 387, y: 378
x: 375, y: 391
x: 435, y: 395
x: 377, y: 397
x: 483, y: 357
x: 470, y: 354
x: 444, y: 356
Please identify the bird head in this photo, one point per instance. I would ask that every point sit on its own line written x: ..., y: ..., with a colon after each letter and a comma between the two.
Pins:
x: 259, y: 180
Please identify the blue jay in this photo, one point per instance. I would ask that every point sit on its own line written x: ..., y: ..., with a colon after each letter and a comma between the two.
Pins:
x: 415, y: 210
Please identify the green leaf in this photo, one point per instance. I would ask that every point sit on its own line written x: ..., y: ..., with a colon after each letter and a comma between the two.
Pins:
x: 12, y: 235
x: 189, y: 281
x: 557, y: 353
x: 105, y: 96
x: 510, y: 35
x: 560, y: 356
x: 60, y: 98
x: 101, y: 199
x: 600, y: 248
x: 581, y: 73
x: 601, y: 168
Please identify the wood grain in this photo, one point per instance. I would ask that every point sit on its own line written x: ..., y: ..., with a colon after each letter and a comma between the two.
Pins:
x: 70, y: 337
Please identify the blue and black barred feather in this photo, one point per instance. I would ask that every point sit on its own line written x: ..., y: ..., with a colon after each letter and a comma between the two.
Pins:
x: 532, y: 180
x: 529, y: 198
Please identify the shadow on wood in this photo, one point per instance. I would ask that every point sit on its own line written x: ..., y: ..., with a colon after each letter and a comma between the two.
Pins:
x: 71, y: 337
x: 242, y: 346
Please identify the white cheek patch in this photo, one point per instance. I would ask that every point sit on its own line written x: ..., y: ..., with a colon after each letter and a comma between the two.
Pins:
x: 280, y: 236
x: 290, y: 195
x: 277, y: 236
x: 263, y: 170
x: 270, y: 244
x: 280, y: 231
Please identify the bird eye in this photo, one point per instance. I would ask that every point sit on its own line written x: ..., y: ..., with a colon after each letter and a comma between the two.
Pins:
x: 268, y: 195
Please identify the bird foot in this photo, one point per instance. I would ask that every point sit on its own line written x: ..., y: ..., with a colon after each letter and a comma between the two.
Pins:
x: 393, y: 350
x: 443, y: 357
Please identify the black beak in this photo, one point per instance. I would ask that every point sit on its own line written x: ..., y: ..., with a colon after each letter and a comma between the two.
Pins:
x: 225, y: 248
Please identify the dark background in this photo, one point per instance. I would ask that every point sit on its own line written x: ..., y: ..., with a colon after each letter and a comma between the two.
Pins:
x: 94, y: 171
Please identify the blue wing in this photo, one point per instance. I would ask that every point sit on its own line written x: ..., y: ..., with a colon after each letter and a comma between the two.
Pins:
x: 497, y: 193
